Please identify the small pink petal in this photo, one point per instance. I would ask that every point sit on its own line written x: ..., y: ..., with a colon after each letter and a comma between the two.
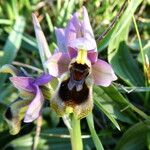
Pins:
x: 35, y: 106
x: 58, y: 64
x: 72, y: 52
x: 92, y: 56
x: 43, y: 79
x: 23, y: 83
x: 61, y: 40
x: 103, y: 73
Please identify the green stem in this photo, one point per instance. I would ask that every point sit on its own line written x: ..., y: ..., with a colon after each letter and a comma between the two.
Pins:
x: 75, y: 132
x: 143, y: 59
x: 140, y: 44
x: 37, y: 135
x: 138, y: 111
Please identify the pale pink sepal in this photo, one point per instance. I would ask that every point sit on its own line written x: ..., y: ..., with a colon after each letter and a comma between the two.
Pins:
x: 103, y: 73
x: 23, y: 83
x: 58, y: 64
x: 41, y: 40
x: 88, y: 32
x: 35, y: 107
x: 72, y: 30
x: 61, y: 39
x: 82, y: 43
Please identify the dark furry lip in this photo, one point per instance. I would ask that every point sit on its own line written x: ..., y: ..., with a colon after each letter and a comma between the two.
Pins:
x: 73, y: 96
x: 78, y: 74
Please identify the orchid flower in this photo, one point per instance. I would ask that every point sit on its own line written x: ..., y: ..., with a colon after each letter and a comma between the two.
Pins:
x: 32, y: 85
x: 77, y: 65
x: 31, y: 97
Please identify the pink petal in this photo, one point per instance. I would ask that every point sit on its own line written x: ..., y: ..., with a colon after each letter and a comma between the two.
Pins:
x: 35, y: 106
x: 86, y: 24
x: 88, y: 32
x: 23, y: 83
x: 41, y: 40
x: 79, y: 32
x: 72, y: 52
x: 92, y: 56
x: 61, y: 40
x: 103, y: 73
x: 58, y: 64
x: 72, y: 29
x: 82, y: 42
x: 43, y: 79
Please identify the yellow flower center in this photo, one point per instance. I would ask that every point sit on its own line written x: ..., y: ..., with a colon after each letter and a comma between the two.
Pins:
x: 82, y: 56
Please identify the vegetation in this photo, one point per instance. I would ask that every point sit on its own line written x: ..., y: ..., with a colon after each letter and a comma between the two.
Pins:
x: 120, y: 118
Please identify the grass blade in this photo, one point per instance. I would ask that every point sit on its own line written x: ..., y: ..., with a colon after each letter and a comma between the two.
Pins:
x: 95, y: 137
x: 12, y: 44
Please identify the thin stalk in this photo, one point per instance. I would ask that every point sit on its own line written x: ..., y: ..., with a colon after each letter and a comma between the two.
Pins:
x: 138, y: 111
x: 140, y: 44
x: 143, y: 58
x: 27, y: 66
x: 75, y: 133
x: 37, y: 134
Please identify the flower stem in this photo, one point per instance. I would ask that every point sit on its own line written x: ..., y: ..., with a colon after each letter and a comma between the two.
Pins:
x: 143, y: 59
x: 75, y: 132
x: 37, y: 135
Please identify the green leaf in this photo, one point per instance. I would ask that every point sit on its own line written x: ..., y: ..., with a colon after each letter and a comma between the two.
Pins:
x: 5, y: 138
x: 24, y: 142
x: 65, y: 11
x: 125, y: 66
x: 113, y: 102
x: 29, y: 43
x: 146, y: 51
x: 135, y: 137
x: 9, y: 11
x: 122, y: 102
x: 49, y: 22
x: 12, y: 44
x: 118, y: 53
x: 121, y: 31
x: 104, y: 42
x: 94, y: 135
x: 5, y: 22
x: 105, y: 111
x: 148, y: 140
x: 2, y: 110
x: 114, y: 35
x: 14, y: 7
